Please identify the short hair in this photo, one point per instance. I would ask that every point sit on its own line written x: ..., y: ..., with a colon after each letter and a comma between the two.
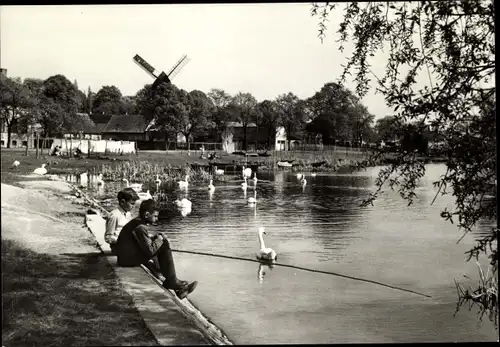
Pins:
x: 148, y: 206
x: 127, y: 194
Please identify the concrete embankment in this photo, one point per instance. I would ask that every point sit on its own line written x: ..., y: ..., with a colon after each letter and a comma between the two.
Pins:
x: 32, y: 216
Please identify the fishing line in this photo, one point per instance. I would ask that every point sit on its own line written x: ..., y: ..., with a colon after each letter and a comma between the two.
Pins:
x: 304, y: 269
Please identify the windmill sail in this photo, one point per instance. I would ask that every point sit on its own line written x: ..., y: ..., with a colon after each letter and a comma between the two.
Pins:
x: 178, y: 67
x: 146, y: 66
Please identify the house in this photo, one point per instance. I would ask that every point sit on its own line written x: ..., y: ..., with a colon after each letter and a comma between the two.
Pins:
x: 83, y: 128
x: 126, y: 128
x: 100, y: 122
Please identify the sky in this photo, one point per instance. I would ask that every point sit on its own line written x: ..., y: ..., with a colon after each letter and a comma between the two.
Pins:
x: 264, y: 49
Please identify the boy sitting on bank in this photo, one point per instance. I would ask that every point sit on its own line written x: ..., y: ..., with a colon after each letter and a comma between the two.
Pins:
x: 136, y: 246
x: 120, y: 216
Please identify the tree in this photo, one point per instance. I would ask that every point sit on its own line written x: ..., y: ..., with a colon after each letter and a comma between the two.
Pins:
x: 90, y: 101
x: 14, y: 102
x: 292, y: 113
x: 269, y: 118
x: 386, y: 128
x: 339, y: 114
x: 220, y: 115
x: 451, y: 45
x: 58, y: 104
x: 200, y: 110
x: 108, y: 100
x: 243, y: 106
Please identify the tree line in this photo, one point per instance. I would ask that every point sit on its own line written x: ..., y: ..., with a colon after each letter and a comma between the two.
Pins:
x: 333, y: 114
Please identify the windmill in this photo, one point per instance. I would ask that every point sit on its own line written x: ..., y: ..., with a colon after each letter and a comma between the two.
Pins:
x: 161, y: 77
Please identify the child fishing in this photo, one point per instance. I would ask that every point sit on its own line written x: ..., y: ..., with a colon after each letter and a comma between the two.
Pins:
x: 136, y: 246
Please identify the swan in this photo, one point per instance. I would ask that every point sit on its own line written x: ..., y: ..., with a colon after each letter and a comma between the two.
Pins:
x: 100, y: 182
x: 158, y: 181
x: 253, y: 199
x: 255, y: 177
x: 313, y: 174
x: 244, y: 184
x: 219, y: 171
x: 211, y: 187
x: 265, y: 254
x: 144, y: 196
x: 16, y: 163
x: 246, y: 172
x: 183, y: 184
x: 183, y: 203
x: 135, y: 186
x: 299, y: 176
x: 41, y: 170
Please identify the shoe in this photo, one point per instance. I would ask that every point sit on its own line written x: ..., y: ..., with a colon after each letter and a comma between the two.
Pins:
x: 185, y: 290
x: 177, y: 286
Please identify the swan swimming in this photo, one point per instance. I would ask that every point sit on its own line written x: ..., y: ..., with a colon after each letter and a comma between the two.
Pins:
x: 255, y: 178
x: 211, y: 187
x: 135, y: 186
x: 299, y: 176
x: 247, y: 172
x: 183, y: 204
x: 313, y: 174
x: 41, y: 170
x: 144, y: 196
x: 16, y: 163
x: 218, y: 171
x: 100, y: 182
x: 184, y: 184
x: 244, y: 184
x: 265, y: 254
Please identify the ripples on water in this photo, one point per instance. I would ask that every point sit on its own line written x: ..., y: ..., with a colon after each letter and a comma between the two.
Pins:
x: 322, y: 226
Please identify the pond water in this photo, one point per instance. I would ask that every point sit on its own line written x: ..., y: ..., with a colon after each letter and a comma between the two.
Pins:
x: 321, y: 226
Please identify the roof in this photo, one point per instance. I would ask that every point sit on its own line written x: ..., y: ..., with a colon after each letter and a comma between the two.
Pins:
x: 126, y: 124
x: 100, y: 118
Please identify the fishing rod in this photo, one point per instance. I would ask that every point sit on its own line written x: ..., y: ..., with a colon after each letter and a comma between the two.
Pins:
x: 303, y: 269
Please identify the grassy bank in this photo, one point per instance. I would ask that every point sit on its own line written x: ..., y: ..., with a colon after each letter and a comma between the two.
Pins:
x: 65, y: 300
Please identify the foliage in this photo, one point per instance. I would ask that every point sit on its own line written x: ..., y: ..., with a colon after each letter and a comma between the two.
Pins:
x: 220, y: 115
x: 108, y: 100
x: 268, y: 117
x: 450, y: 45
x: 15, y: 100
x: 292, y: 114
x: 58, y: 105
x: 243, y: 107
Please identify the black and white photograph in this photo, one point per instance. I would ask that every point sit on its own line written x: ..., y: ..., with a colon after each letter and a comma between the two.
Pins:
x: 248, y: 173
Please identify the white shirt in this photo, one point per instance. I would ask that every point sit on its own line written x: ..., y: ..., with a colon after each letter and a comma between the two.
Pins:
x: 114, y: 224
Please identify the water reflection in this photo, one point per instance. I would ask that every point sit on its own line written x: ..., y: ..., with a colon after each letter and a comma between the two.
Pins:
x: 321, y: 226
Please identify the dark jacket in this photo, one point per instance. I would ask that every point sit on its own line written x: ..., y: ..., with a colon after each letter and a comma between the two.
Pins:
x: 135, y: 245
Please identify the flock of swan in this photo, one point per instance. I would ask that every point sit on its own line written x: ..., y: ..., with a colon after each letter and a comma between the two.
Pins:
x: 265, y: 254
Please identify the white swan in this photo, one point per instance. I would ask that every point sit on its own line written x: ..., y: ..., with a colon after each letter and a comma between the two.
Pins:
x: 184, y: 184
x: 100, y: 182
x: 244, y: 184
x: 144, y: 196
x: 211, y: 187
x: 135, y: 186
x: 253, y: 199
x: 299, y: 176
x: 246, y: 172
x: 265, y: 254
x: 158, y: 181
x: 16, y: 163
x: 313, y: 174
x: 255, y: 177
x: 219, y: 172
x: 183, y: 203
x: 41, y: 170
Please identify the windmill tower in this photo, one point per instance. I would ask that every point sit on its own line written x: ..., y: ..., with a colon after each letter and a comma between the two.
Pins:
x: 161, y: 77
